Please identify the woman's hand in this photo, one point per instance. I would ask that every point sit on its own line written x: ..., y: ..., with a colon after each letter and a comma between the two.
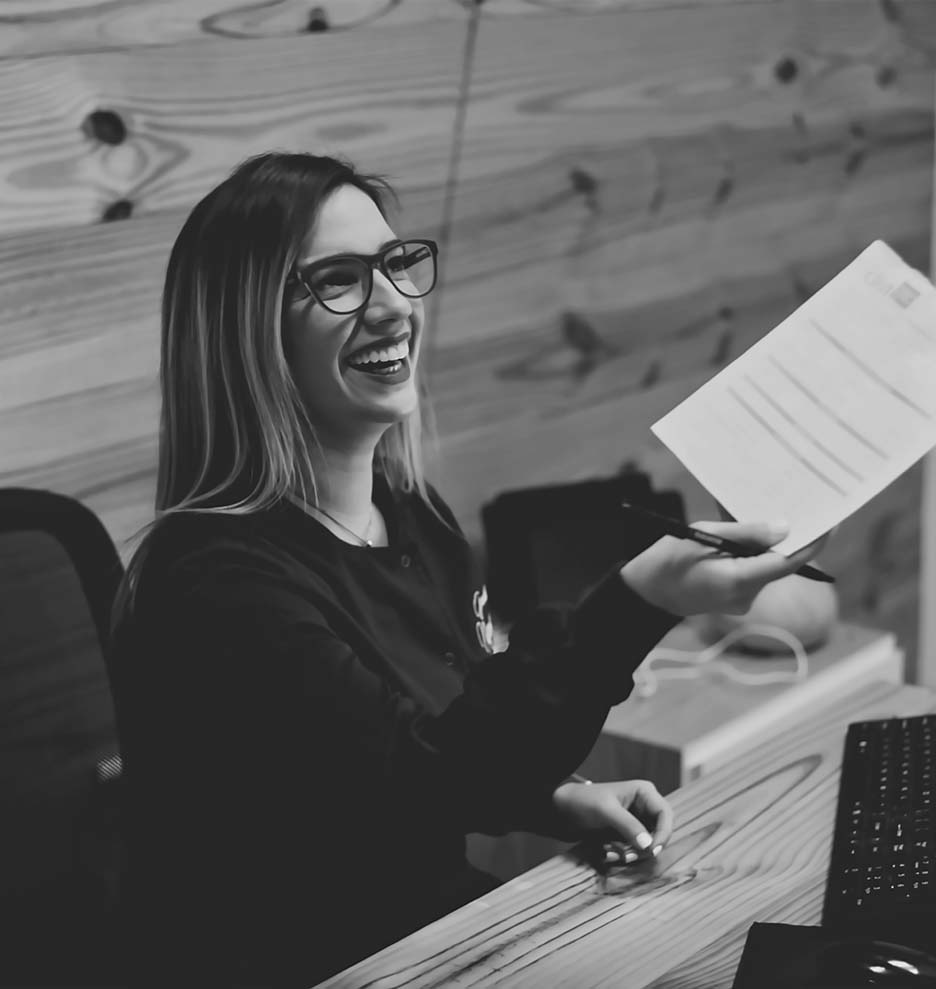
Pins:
x: 631, y: 811
x: 686, y: 578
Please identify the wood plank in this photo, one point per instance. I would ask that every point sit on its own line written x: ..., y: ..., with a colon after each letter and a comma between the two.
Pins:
x: 192, y: 111
x: 79, y: 359
x: 41, y: 27
x: 565, y: 110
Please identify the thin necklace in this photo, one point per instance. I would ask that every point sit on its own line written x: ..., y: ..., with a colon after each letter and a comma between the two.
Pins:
x: 364, y: 540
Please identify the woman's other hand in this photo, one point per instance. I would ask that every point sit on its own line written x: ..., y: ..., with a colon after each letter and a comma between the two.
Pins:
x: 686, y: 578
x: 632, y: 811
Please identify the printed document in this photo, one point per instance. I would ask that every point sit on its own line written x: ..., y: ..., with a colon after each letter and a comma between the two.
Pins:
x: 826, y: 410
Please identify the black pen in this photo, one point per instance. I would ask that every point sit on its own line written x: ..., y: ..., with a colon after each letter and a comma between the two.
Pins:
x: 672, y: 527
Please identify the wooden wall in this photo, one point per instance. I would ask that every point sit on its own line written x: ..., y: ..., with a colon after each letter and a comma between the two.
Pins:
x: 629, y: 192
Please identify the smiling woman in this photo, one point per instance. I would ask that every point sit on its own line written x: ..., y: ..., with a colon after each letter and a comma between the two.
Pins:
x: 353, y: 323
x: 309, y: 719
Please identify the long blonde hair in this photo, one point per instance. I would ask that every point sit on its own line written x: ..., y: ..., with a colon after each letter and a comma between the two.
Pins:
x: 234, y: 435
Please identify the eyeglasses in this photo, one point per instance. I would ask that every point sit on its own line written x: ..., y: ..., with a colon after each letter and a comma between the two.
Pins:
x: 343, y: 284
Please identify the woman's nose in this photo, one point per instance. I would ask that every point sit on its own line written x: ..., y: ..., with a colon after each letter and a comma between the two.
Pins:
x: 387, y: 298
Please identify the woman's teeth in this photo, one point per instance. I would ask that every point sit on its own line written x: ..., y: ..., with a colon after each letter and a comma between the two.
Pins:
x: 384, y: 359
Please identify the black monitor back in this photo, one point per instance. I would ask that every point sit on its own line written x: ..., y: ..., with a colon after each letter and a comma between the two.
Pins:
x: 549, y: 544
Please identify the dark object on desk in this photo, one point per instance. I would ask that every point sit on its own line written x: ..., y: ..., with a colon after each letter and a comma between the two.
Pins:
x: 678, y: 528
x: 882, y: 872
x: 548, y: 544
x: 785, y: 956
x: 864, y: 962
x: 61, y: 853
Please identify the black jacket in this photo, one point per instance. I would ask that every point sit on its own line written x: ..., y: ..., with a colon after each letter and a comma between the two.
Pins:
x: 309, y: 729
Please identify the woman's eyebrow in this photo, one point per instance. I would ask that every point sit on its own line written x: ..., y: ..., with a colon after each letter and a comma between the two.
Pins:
x: 337, y: 254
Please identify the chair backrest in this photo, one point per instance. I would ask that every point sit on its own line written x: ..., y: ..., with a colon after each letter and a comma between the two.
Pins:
x: 548, y: 544
x: 59, y: 571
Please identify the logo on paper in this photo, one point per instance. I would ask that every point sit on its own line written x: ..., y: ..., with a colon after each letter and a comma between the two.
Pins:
x: 904, y: 295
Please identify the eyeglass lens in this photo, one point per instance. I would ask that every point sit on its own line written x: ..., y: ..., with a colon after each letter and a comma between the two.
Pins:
x: 343, y: 285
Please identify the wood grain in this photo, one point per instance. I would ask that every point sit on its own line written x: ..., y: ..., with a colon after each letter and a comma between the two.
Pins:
x: 190, y: 112
x: 79, y: 358
x: 751, y: 843
x: 31, y: 27
x: 28, y: 27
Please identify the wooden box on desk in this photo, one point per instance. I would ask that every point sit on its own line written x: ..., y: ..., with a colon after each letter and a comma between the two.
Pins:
x: 690, y: 726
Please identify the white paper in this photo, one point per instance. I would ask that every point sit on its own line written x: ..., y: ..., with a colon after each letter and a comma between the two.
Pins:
x: 826, y: 410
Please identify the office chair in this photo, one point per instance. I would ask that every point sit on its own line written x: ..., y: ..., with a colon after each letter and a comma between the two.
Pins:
x: 59, y: 769
x: 549, y: 544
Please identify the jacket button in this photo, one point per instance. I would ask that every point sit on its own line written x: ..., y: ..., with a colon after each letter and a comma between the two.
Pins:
x: 405, y: 560
x: 449, y: 658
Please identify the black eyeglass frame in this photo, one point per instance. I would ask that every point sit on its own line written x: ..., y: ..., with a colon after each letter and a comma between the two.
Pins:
x: 370, y: 261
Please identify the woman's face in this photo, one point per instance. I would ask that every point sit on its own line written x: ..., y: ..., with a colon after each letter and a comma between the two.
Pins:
x: 340, y: 362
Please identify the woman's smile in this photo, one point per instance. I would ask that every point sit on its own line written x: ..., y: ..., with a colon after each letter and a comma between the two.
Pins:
x: 387, y: 359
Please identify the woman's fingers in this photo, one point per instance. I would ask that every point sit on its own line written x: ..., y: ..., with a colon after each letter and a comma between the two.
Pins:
x: 651, y: 805
x: 764, y: 534
x: 646, y: 823
x: 750, y: 533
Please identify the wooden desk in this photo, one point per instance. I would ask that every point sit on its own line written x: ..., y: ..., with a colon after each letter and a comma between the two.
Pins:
x: 751, y: 843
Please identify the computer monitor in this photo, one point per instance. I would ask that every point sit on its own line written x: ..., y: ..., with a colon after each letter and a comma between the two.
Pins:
x: 549, y: 544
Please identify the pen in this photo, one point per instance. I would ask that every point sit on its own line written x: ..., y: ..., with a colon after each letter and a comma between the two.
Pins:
x: 672, y: 527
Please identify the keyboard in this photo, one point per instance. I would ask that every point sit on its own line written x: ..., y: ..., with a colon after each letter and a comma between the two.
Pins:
x: 882, y: 870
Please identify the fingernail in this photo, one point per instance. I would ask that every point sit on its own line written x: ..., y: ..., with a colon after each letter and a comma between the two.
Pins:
x: 644, y: 840
x: 611, y: 855
x: 630, y: 857
x: 657, y: 849
x: 779, y: 527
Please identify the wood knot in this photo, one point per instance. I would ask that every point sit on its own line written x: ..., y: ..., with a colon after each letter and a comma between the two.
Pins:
x: 317, y: 21
x: 886, y: 76
x: 891, y: 11
x: 583, y: 181
x: 120, y: 209
x: 652, y: 375
x: 105, y: 126
x: 786, y: 69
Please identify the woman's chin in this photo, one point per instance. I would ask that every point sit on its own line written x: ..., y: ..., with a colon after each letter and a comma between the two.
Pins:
x: 393, y: 406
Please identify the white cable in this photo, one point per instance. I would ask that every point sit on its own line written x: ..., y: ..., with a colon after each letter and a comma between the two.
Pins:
x: 646, y: 680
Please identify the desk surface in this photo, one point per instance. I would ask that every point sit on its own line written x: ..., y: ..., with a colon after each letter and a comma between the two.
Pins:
x: 751, y: 843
